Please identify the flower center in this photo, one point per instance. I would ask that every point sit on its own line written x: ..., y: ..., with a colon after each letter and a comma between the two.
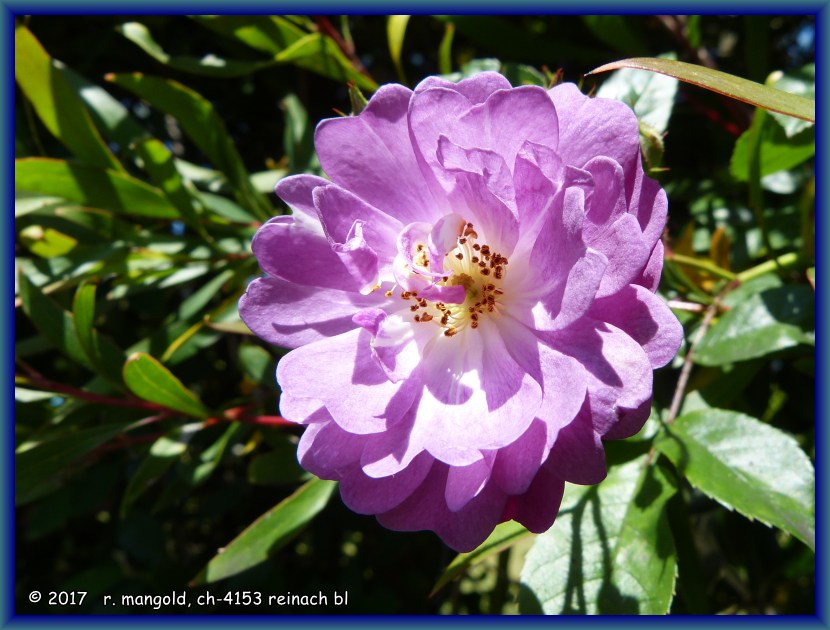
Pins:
x: 471, y: 265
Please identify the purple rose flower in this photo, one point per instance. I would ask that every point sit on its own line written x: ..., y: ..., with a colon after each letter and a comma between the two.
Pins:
x: 470, y: 300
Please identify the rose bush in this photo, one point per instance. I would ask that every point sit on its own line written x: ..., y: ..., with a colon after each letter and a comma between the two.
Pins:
x: 470, y: 301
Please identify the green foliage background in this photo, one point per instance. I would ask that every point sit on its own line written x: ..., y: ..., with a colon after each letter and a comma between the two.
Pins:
x: 146, y: 431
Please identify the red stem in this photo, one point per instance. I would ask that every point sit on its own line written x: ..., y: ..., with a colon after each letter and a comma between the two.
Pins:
x: 328, y: 29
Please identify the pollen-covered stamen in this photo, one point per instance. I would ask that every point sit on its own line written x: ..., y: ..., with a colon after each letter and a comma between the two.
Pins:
x: 471, y: 265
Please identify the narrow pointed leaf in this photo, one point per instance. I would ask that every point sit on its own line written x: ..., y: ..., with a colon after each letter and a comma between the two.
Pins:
x: 52, y: 322
x: 746, y: 465
x: 269, y: 532
x: 504, y: 536
x: 202, y: 125
x: 150, y: 380
x: 723, y: 83
x: 44, y: 467
x: 104, y: 355
x: 92, y: 186
x: 208, y: 65
x: 56, y: 102
x: 610, y: 550
x: 395, y: 31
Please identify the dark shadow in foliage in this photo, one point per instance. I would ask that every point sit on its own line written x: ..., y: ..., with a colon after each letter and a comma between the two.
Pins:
x: 610, y: 600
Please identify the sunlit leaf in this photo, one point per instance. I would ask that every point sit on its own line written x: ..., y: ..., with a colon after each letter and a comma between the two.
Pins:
x: 765, y: 322
x: 209, y: 65
x: 150, y: 380
x: 92, y: 186
x: 395, y: 31
x: 610, y: 550
x: 801, y: 82
x: 723, y: 83
x: 650, y: 95
x: 269, y: 532
x: 777, y: 151
x: 746, y: 465
x: 46, y: 242
x: 56, y: 102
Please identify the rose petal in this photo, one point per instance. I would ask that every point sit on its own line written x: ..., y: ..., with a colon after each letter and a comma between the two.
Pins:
x: 290, y: 315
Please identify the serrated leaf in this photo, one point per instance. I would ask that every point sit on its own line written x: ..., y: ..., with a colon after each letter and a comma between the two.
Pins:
x: 766, y: 322
x: 723, y: 83
x: 504, y: 536
x: 269, y: 532
x: 610, y: 550
x: 91, y: 186
x: 746, y: 465
x: 150, y: 380
x: 203, y: 126
x: 56, y: 103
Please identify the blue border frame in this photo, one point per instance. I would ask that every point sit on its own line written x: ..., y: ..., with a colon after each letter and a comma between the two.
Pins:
x: 10, y: 9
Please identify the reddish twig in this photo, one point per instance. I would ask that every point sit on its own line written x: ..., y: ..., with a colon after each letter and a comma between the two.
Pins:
x: 45, y: 384
x: 327, y: 28
x: 240, y: 414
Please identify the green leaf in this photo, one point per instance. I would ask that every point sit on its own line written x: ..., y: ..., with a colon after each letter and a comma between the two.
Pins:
x: 395, y: 31
x: 269, y: 532
x: 723, y: 83
x: 445, y: 49
x: 56, y: 103
x: 162, y: 455
x: 746, y: 465
x: 650, y: 95
x: 505, y: 535
x: 150, y: 380
x: 777, y: 151
x: 211, y: 457
x: 269, y: 34
x: 801, y: 82
x: 209, y: 65
x: 277, y: 467
x: 110, y: 116
x: 521, y: 74
x: 52, y: 322
x: 768, y: 321
x: 202, y: 125
x: 92, y: 186
x: 46, y: 242
x: 610, y: 550
x: 104, y: 355
x: 321, y: 54
x: 44, y: 467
